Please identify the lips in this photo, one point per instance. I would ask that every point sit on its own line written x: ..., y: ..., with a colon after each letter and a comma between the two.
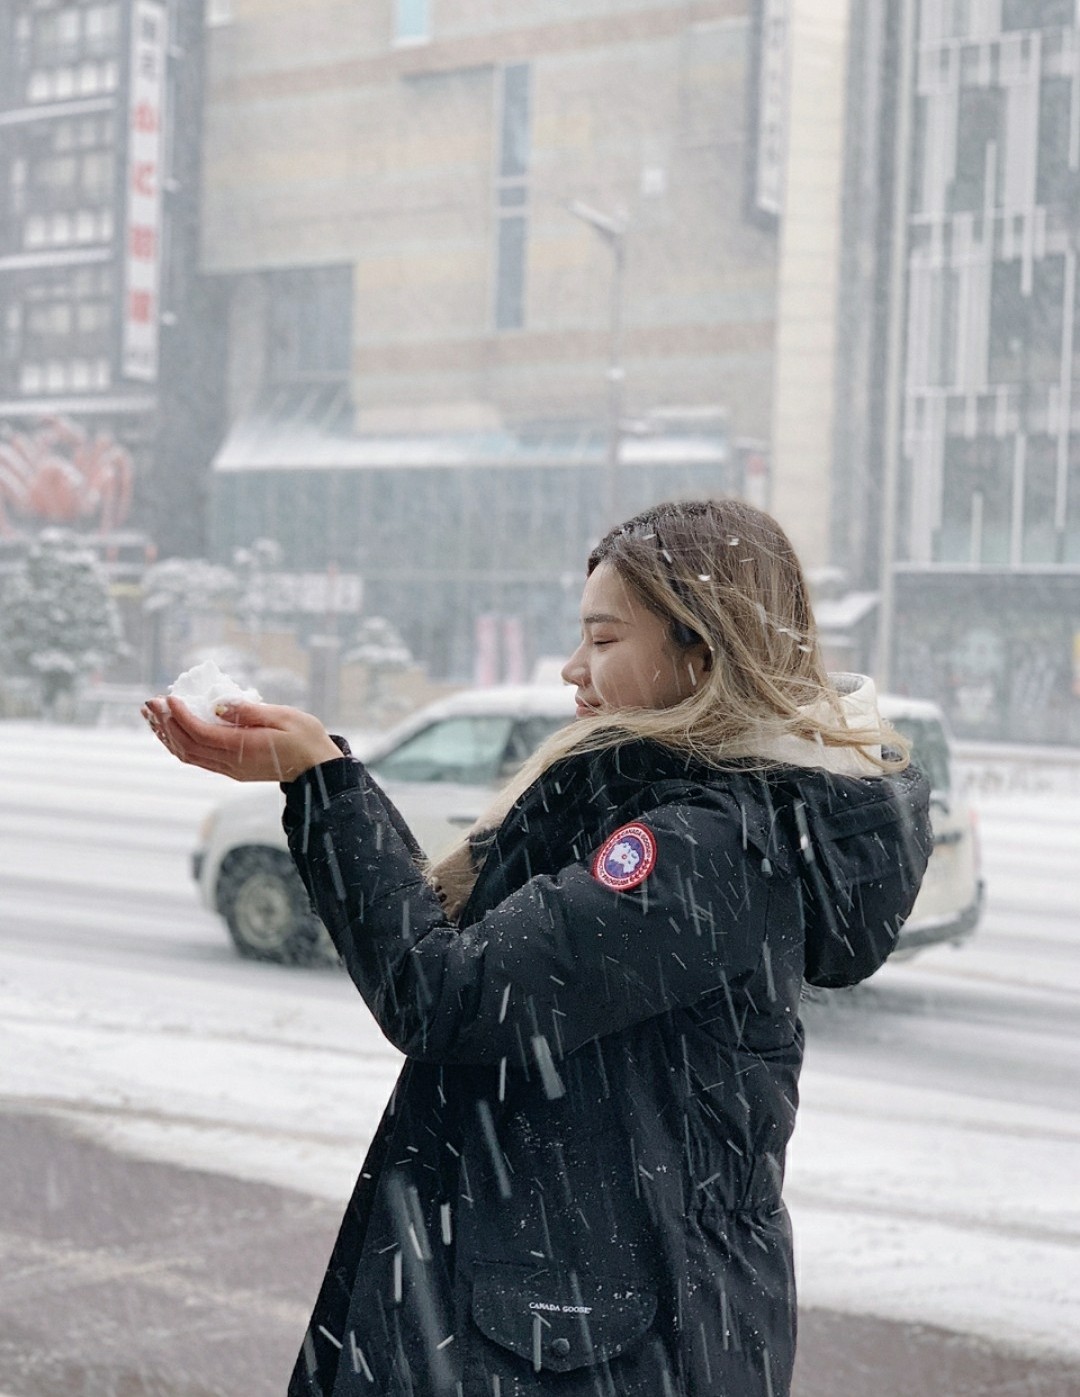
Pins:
x: 586, y: 710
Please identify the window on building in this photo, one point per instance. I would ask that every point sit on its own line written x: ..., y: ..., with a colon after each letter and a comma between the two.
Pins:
x: 23, y: 41
x: 1026, y: 329
x: 1071, y: 553
x: 96, y: 176
x: 61, y: 35
x: 944, y: 19
x: 56, y: 175
x: 16, y: 192
x: 58, y: 183
x: 1037, y: 14
x: 943, y: 328
x: 65, y: 50
x: 511, y: 196
x: 976, y: 506
x: 514, y: 142
x: 9, y: 350
x: 510, y: 273
x: 1040, y: 499
x: 101, y: 30
x: 57, y: 35
x: 979, y: 142
x: 310, y: 325
x: 412, y: 21
x: 1057, y: 184
x: 957, y: 18
x: 58, y: 332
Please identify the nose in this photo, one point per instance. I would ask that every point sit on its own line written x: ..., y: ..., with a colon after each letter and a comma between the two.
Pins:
x: 575, y: 671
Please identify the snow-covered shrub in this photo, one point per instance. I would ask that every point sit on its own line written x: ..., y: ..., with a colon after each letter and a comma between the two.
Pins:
x: 58, y: 621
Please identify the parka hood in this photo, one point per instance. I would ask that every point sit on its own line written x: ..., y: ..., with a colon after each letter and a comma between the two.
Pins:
x: 857, y: 696
x: 862, y: 848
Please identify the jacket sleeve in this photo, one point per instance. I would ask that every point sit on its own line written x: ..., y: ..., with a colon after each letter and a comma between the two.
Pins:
x: 562, y: 961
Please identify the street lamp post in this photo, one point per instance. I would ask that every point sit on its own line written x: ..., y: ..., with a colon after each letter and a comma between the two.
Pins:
x: 612, y: 228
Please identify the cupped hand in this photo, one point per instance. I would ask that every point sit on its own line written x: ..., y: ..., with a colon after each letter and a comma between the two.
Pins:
x: 254, y: 742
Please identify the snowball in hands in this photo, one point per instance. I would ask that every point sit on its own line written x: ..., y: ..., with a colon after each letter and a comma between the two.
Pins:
x: 204, y: 686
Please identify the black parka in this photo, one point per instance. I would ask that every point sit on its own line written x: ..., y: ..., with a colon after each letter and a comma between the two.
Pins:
x: 575, y: 1188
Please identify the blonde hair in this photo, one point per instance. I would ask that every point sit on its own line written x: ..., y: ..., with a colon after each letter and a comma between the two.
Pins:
x: 725, y: 575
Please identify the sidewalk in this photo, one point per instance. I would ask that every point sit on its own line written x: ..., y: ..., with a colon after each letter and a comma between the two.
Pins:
x: 122, y: 1278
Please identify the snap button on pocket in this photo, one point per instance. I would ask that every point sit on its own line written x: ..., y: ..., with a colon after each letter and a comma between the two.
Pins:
x: 559, y: 1348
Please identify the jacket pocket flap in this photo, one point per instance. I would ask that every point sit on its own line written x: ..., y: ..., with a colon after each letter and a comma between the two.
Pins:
x: 559, y: 1321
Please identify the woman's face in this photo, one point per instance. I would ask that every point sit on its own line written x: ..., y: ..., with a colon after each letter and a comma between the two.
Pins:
x: 627, y: 658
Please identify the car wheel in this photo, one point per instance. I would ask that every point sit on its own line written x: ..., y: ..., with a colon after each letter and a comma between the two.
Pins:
x: 265, y: 905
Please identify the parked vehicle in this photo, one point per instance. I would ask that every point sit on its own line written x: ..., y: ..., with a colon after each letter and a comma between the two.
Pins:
x: 950, y: 901
x: 441, y: 766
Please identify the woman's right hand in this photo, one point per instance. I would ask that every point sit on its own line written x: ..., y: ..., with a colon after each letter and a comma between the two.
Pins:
x: 254, y: 742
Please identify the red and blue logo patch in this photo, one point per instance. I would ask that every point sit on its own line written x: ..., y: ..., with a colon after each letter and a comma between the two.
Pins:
x: 626, y: 858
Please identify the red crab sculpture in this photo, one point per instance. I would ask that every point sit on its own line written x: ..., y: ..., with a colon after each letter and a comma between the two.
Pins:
x: 60, y: 475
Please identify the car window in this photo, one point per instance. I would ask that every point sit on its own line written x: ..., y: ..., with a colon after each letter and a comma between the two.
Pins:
x: 527, y: 735
x: 469, y: 750
x: 929, y: 748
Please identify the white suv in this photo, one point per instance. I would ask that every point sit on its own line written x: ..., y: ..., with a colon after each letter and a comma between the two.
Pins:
x: 441, y: 767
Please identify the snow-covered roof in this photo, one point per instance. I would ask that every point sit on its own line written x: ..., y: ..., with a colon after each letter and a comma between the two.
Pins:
x: 842, y: 613
x: 312, y: 430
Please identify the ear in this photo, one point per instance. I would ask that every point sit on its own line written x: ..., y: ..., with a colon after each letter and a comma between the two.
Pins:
x: 699, y: 659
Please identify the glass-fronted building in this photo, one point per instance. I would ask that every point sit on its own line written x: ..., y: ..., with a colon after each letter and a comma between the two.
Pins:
x: 987, y: 495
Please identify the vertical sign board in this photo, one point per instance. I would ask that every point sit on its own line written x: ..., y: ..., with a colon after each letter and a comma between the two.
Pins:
x: 772, y: 115
x: 142, y: 229
x: 513, y: 650
x: 486, y: 651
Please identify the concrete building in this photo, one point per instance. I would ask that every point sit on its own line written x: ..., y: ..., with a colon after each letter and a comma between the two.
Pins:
x: 501, y: 264
x: 107, y: 356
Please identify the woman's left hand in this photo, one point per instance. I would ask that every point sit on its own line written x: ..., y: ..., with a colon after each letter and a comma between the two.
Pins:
x: 255, y: 742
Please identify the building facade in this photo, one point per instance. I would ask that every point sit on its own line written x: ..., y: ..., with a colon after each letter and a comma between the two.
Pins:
x: 108, y: 403
x: 498, y: 264
x: 989, y: 491
x: 959, y: 452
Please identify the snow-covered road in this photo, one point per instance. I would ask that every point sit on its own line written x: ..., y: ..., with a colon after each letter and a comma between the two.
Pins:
x: 933, y: 1172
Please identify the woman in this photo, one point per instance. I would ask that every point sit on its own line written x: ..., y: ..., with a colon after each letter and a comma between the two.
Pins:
x: 576, y: 1186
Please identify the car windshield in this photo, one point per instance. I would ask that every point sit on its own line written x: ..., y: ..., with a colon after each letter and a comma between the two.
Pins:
x: 528, y: 734
x: 476, y: 750
x: 929, y: 748
x: 469, y: 750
